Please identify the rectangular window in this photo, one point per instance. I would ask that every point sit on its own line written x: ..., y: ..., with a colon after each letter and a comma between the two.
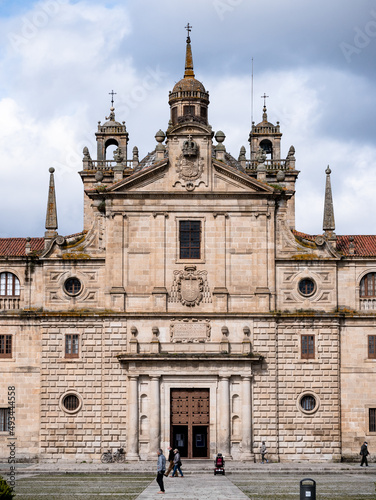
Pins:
x: 372, y: 419
x: 372, y: 346
x: 5, y: 346
x: 174, y: 115
x: 189, y: 110
x: 308, y: 346
x: 4, y: 419
x: 71, y: 345
x: 190, y: 239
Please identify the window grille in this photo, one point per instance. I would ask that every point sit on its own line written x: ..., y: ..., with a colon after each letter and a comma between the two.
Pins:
x: 372, y: 420
x: 71, y: 346
x: 372, y: 346
x: 5, y: 346
x: 71, y: 402
x: 190, y: 239
x: 308, y: 403
x: 308, y: 346
x: 4, y: 419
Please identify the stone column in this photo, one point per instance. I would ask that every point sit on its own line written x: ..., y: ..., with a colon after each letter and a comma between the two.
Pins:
x: 155, y: 417
x: 246, y: 419
x: 132, y: 437
x: 224, y: 417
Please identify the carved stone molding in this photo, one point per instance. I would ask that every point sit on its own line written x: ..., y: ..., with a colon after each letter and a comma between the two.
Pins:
x: 190, y: 287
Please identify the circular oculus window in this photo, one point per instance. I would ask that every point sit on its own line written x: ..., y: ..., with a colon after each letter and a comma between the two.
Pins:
x: 73, y: 286
x: 308, y: 403
x: 71, y: 402
x: 307, y: 287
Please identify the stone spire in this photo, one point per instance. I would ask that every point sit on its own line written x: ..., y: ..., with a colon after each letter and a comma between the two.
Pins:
x: 328, y: 225
x: 189, y: 73
x: 51, y: 216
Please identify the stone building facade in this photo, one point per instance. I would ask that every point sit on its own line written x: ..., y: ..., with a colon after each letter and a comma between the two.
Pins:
x: 189, y: 310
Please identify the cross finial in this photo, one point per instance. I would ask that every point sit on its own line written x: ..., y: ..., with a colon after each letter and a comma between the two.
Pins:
x: 264, y: 97
x: 189, y: 29
x: 112, y: 93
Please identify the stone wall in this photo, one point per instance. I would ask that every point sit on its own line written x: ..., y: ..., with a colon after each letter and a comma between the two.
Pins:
x: 96, y: 377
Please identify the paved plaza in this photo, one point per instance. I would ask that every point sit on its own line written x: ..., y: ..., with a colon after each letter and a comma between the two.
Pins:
x: 242, y: 481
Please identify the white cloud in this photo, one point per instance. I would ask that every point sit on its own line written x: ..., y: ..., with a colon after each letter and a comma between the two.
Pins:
x: 54, y: 88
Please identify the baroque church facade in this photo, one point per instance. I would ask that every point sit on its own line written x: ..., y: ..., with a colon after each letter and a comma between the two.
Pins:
x: 189, y: 311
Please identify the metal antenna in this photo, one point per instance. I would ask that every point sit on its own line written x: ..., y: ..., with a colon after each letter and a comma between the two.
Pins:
x: 252, y: 95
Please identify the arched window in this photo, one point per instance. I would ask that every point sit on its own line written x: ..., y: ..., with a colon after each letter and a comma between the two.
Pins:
x: 9, y: 285
x: 367, y: 285
x: 267, y: 147
x: 109, y: 148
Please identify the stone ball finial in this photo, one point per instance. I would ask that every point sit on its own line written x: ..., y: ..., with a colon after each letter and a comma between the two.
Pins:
x: 99, y: 175
x: 225, y: 332
x: 28, y: 239
x: 160, y: 136
x: 280, y: 176
x: 220, y: 136
x: 51, y: 170
x: 328, y: 171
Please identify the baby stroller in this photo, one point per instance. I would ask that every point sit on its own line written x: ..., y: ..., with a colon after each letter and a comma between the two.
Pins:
x: 219, y: 465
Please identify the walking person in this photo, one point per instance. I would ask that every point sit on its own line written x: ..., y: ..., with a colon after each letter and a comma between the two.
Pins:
x: 364, y: 452
x: 263, y: 452
x: 177, y: 463
x: 161, y: 467
x: 171, y: 460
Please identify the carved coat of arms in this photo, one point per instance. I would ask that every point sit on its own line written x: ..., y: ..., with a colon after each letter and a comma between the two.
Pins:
x: 190, y: 287
x: 189, y: 169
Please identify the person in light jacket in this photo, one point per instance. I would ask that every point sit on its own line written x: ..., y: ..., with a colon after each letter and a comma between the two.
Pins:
x: 161, y: 467
x: 263, y: 452
x: 177, y: 463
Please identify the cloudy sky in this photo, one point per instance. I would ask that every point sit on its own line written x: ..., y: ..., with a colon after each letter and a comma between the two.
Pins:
x: 59, y: 59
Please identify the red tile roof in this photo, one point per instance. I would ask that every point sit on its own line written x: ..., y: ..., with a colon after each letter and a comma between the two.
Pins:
x: 304, y: 236
x: 15, y: 247
x: 363, y: 245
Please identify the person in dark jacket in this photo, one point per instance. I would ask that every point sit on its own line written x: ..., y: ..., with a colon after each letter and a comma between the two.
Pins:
x: 170, y: 458
x: 364, y: 452
x: 161, y: 467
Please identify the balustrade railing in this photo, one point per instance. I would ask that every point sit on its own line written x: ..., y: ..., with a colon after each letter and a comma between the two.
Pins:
x: 269, y: 165
x: 368, y: 304
x: 7, y: 303
x: 104, y: 164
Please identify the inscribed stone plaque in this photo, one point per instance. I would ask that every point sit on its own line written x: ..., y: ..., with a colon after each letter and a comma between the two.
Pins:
x: 185, y: 331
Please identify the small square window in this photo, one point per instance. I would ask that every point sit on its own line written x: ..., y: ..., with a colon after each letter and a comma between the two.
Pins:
x: 371, y: 346
x: 308, y: 346
x: 4, y: 419
x: 5, y: 346
x: 71, y: 345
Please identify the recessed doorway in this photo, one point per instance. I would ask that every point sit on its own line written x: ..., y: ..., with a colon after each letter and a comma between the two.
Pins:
x: 190, y: 422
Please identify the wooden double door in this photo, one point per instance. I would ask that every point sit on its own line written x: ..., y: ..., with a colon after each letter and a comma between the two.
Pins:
x: 190, y: 422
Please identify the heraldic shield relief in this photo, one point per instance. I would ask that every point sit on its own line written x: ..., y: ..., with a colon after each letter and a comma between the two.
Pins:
x: 190, y: 287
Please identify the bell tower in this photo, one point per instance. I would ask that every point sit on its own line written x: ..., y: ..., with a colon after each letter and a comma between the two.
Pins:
x: 266, y: 136
x: 111, y: 133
